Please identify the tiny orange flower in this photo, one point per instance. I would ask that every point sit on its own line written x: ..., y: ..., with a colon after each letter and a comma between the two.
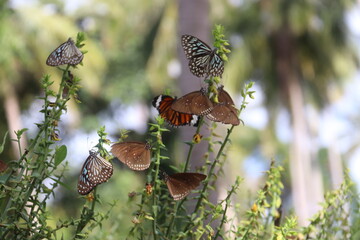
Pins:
x: 148, y: 188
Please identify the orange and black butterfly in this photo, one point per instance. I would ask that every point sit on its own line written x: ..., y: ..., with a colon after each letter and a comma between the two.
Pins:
x: 224, y: 111
x: 163, y: 104
x: 180, y: 184
x: 136, y: 155
x: 193, y: 103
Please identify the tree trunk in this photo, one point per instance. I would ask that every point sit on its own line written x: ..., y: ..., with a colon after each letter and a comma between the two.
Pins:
x: 305, y: 181
x: 193, y: 20
x: 13, y: 117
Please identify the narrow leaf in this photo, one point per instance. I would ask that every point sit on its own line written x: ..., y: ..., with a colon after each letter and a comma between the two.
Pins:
x: 3, y: 143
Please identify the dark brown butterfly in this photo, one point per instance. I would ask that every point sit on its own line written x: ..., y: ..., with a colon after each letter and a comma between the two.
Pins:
x: 66, y: 53
x: 135, y: 155
x: 163, y: 104
x: 95, y: 171
x: 224, y: 111
x: 193, y: 103
x: 225, y: 98
x: 180, y: 184
x: 203, y: 61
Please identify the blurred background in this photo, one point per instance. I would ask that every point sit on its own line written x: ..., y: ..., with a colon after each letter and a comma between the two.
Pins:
x: 302, y: 56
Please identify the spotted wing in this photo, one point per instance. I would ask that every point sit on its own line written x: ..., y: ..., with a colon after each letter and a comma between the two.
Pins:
x: 193, y: 103
x: 95, y: 171
x: 224, y: 114
x: 66, y: 53
x: 135, y: 155
x: 203, y: 61
x: 180, y: 184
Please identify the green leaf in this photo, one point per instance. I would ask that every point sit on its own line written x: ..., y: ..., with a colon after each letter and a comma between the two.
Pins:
x: 3, y: 143
x: 60, y: 154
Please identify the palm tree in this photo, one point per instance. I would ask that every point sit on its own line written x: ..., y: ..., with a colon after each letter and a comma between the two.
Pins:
x: 295, y: 46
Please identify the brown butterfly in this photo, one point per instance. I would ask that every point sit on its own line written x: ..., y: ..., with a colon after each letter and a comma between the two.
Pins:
x: 135, y: 155
x: 224, y: 111
x: 193, y: 103
x: 180, y: 184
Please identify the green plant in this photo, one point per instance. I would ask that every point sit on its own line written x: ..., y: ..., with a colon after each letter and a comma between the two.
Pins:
x: 24, y: 194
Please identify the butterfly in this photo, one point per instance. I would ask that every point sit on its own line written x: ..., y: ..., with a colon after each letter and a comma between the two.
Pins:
x: 193, y: 103
x: 163, y: 104
x: 203, y: 61
x: 180, y: 184
x: 66, y: 53
x: 95, y: 171
x: 135, y: 155
x: 224, y: 111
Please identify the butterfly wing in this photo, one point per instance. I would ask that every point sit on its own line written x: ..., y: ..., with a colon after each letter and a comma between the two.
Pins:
x: 163, y: 104
x: 66, y: 53
x: 135, y: 155
x: 216, y: 65
x: 194, y: 47
x: 193, y: 103
x: 180, y: 184
x: 95, y: 171
x: 224, y: 114
x: 224, y: 97
x: 203, y: 61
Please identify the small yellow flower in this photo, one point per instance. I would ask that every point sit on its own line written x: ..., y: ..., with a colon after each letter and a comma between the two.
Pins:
x: 197, y: 138
x: 254, y: 208
x: 90, y: 197
x: 55, y: 136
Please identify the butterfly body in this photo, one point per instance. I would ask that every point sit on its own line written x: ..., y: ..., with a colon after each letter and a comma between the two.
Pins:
x: 66, y: 53
x: 135, y: 155
x: 180, y: 184
x: 203, y: 61
x: 163, y: 104
x: 95, y: 171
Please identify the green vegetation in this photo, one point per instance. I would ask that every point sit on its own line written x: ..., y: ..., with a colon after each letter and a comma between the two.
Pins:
x: 25, y: 194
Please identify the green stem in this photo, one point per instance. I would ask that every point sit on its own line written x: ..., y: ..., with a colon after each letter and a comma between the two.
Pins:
x: 156, y: 186
x: 227, y: 199
x: 179, y: 204
x: 206, y: 182
x: 192, y: 145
